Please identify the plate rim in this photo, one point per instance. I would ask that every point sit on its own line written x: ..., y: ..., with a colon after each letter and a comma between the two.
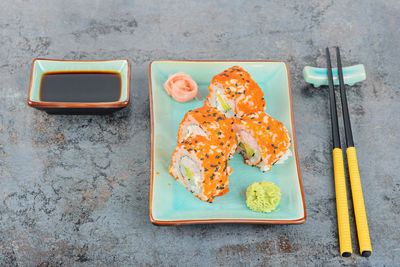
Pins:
x: 208, y: 221
x: 66, y: 105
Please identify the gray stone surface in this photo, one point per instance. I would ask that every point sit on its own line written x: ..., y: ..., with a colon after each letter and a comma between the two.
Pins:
x: 74, y: 189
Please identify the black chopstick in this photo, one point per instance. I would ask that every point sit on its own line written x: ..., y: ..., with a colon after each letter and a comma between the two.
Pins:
x: 355, y: 180
x: 338, y: 167
x: 332, y: 101
x: 345, y: 109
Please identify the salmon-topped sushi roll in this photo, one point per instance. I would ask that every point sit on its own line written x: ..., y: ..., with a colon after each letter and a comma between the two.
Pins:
x: 235, y: 93
x: 202, y: 167
x: 210, y: 123
x: 262, y: 140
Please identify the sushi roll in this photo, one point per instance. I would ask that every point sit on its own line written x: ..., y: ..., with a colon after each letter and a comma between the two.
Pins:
x: 202, y: 167
x: 235, y: 93
x: 262, y: 140
x: 210, y: 123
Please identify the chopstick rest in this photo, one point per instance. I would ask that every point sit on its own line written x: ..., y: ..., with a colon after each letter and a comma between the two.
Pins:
x: 319, y: 76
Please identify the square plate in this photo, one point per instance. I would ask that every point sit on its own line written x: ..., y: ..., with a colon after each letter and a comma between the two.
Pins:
x: 170, y: 202
x: 40, y: 66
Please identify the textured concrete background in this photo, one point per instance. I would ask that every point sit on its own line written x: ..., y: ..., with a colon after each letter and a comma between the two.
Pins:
x: 74, y: 189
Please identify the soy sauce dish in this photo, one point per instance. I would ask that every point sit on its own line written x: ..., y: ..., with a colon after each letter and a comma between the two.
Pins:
x: 79, y: 86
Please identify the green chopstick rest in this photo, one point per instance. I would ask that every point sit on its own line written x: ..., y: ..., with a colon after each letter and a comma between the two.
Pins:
x: 319, y: 76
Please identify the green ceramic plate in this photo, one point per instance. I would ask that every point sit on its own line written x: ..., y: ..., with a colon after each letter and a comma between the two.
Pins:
x: 170, y: 202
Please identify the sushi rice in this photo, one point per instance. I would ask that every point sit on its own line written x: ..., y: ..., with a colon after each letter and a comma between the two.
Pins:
x: 202, y: 167
x: 210, y: 123
x: 235, y: 93
x: 262, y: 140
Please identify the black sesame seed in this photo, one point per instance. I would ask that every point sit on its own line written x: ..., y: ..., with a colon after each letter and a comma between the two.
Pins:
x: 268, y: 127
x: 217, y: 157
x: 222, y: 143
x: 247, y: 81
x: 206, y: 155
x: 219, y: 133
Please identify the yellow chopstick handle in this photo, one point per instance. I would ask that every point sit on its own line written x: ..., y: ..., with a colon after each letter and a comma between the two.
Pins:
x: 341, y: 204
x: 358, y: 203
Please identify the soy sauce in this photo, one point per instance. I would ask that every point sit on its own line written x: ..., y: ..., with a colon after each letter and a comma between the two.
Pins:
x: 79, y: 86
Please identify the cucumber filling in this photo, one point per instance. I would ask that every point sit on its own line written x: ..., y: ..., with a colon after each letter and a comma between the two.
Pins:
x: 248, y: 149
x: 223, y: 103
x: 189, y: 174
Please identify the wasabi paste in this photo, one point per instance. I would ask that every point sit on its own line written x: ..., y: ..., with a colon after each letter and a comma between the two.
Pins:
x: 263, y: 196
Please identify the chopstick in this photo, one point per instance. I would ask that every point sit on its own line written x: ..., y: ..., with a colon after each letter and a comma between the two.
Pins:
x: 355, y: 182
x: 338, y: 166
